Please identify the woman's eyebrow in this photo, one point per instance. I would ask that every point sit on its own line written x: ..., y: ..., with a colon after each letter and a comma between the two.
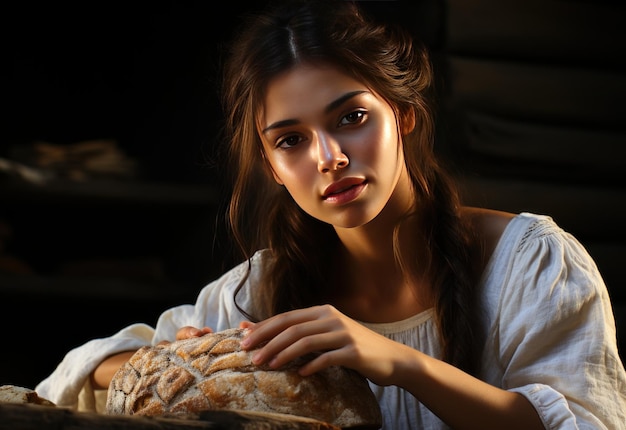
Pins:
x: 279, y: 124
x: 332, y: 105
x: 347, y: 96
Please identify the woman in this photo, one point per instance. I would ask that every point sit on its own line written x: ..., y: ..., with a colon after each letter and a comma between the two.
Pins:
x: 356, y: 246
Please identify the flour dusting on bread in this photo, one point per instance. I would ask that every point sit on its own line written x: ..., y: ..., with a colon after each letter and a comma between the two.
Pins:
x: 212, y: 372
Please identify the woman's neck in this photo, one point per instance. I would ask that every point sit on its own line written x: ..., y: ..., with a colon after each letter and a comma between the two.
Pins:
x: 371, y: 284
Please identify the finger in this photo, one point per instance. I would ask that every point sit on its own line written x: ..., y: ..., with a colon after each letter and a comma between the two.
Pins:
x: 300, y: 339
x: 187, y: 332
x: 320, y: 343
x: 323, y: 361
x: 271, y: 327
x: 184, y: 332
x: 246, y: 324
x: 206, y: 330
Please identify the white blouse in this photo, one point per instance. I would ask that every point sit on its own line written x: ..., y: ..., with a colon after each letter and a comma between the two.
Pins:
x: 549, y: 327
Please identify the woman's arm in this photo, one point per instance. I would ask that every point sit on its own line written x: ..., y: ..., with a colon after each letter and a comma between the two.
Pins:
x: 459, y: 399
x: 214, y: 307
x: 102, y: 375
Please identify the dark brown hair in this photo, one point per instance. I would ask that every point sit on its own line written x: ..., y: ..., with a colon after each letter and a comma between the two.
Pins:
x: 262, y: 214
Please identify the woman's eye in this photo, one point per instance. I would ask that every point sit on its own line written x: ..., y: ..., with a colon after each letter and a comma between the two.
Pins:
x: 288, y: 142
x: 355, y: 117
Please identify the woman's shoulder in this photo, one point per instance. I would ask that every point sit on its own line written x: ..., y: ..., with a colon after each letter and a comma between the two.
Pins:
x: 527, y: 244
x: 492, y: 226
x: 488, y: 223
x: 489, y: 226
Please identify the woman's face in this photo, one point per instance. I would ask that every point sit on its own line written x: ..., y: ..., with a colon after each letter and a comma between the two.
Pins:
x: 334, y: 144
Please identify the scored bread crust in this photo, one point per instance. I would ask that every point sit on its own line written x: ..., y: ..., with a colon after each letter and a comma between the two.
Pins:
x: 212, y: 372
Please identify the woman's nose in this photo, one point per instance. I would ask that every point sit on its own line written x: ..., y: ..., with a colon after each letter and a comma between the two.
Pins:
x: 330, y: 155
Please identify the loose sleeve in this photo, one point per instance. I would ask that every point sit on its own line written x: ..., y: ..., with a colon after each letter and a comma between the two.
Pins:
x: 68, y: 385
x: 556, y: 334
x: 215, y: 306
x: 64, y: 385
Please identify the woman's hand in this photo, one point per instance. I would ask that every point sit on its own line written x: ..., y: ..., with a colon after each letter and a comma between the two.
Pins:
x: 342, y: 341
x: 187, y: 332
x: 337, y: 339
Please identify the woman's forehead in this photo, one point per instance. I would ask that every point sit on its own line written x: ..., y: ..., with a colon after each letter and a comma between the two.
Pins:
x: 306, y: 87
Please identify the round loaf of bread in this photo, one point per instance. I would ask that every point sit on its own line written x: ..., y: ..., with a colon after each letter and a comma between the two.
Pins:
x: 212, y: 372
x: 17, y: 394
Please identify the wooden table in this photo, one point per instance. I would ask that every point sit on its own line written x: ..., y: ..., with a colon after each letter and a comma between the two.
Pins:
x: 24, y: 416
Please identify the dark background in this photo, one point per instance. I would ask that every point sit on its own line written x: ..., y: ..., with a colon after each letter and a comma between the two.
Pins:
x: 531, y: 117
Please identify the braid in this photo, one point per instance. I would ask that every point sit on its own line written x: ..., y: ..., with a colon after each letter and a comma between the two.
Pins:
x: 456, y: 304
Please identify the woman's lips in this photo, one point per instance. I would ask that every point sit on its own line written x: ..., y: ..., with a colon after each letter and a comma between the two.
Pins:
x: 344, y: 191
